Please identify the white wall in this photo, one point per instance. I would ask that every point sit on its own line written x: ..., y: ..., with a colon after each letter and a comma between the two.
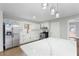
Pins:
x: 55, y: 30
x: 1, y: 31
x: 63, y: 29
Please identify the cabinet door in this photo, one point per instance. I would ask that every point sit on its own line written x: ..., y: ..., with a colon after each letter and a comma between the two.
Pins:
x: 55, y: 30
x: 34, y: 26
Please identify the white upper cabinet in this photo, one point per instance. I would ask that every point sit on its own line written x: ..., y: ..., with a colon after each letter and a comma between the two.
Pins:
x: 34, y: 26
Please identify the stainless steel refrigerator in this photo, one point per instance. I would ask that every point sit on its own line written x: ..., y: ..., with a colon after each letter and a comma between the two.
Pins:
x: 11, y: 36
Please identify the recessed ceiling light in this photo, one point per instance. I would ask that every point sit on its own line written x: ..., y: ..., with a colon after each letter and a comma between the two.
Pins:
x: 44, y: 8
x: 34, y: 17
x: 44, y: 4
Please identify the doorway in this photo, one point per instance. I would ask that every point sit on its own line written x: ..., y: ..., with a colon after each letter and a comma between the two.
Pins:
x: 73, y: 32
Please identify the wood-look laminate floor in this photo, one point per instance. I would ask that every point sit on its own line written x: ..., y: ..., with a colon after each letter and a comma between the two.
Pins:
x: 18, y: 52
x: 77, y: 47
x: 77, y: 51
x: 13, y: 52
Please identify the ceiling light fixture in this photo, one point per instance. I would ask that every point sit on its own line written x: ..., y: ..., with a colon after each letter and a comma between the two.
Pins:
x: 44, y: 6
x: 52, y: 11
x: 57, y: 13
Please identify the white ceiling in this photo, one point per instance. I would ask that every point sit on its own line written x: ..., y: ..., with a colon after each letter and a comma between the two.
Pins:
x: 28, y: 10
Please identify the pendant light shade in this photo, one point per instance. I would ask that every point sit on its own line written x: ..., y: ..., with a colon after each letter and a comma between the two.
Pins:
x: 44, y: 4
x: 57, y: 15
x: 52, y: 11
x: 57, y: 12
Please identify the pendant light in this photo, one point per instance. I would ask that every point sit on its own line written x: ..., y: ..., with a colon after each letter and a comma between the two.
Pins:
x: 57, y: 13
x: 52, y: 11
